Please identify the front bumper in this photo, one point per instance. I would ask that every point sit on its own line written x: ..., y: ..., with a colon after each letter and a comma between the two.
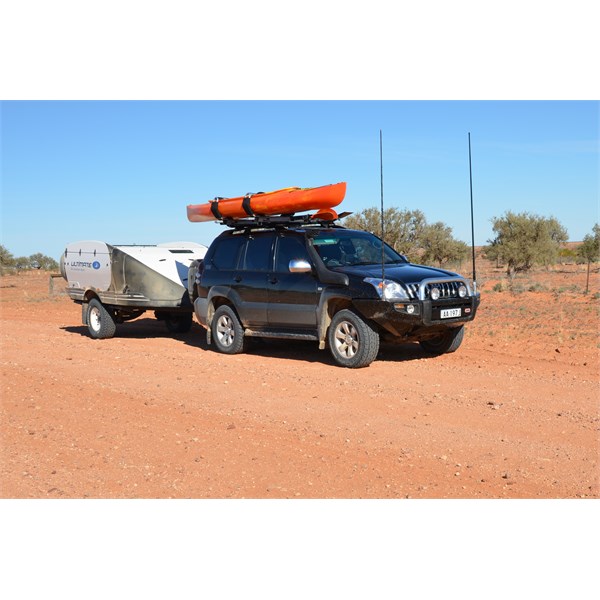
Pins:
x: 417, y: 318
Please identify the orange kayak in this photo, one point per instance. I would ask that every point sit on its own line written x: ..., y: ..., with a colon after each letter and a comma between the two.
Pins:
x: 280, y: 202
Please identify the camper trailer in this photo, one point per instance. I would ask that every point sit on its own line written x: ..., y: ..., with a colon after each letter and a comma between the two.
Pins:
x: 117, y: 283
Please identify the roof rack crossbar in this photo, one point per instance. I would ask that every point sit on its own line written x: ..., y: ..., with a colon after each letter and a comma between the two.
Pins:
x: 258, y: 221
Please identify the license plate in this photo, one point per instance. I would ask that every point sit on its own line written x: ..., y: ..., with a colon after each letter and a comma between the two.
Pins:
x: 450, y: 313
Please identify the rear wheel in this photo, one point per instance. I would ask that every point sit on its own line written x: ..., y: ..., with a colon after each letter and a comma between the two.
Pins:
x: 353, y: 343
x: 101, y: 323
x: 447, y: 342
x: 227, y: 331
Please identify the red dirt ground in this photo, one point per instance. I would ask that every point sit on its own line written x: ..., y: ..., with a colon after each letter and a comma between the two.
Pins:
x: 514, y: 413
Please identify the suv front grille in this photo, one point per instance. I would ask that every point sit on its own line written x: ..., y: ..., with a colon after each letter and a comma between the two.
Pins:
x: 448, y: 288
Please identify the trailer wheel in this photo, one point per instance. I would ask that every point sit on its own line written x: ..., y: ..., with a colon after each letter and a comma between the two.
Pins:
x: 227, y: 331
x: 101, y: 323
x: 181, y: 323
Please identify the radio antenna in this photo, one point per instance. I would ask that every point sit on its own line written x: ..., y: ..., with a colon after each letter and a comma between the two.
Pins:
x: 472, y: 221
x: 382, y: 220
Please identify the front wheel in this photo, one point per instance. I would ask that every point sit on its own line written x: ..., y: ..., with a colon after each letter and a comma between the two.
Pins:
x: 227, y: 331
x: 447, y: 342
x: 101, y: 323
x: 353, y: 343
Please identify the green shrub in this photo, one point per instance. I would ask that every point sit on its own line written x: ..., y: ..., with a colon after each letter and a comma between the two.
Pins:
x: 537, y: 287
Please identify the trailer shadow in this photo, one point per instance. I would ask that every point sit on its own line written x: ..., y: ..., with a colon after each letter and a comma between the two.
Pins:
x: 146, y: 328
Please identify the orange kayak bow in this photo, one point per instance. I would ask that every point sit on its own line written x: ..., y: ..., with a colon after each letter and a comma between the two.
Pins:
x: 280, y: 202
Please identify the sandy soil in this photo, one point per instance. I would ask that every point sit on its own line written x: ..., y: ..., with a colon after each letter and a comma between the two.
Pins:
x: 514, y: 413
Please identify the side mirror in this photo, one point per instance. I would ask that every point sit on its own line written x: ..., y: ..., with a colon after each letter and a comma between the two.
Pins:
x: 299, y: 265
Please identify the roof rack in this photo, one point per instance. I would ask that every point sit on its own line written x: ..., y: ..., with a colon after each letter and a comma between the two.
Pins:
x: 272, y: 221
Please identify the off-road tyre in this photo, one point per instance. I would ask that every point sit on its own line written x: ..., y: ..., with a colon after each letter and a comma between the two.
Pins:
x: 227, y: 332
x: 100, y: 321
x: 445, y: 343
x: 353, y: 342
x: 179, y: 323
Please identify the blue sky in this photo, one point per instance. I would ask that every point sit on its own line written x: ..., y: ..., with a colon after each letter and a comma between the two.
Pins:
x: 124, y: 171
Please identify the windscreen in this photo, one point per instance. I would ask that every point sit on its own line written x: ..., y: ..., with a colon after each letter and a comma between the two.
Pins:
x: 341, y: 248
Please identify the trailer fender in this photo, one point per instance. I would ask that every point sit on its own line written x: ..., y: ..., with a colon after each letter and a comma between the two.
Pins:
x: 87, y: 296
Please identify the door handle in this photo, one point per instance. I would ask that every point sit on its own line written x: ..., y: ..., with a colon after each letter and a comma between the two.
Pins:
x: 273, y: 279
x: 237, y: 278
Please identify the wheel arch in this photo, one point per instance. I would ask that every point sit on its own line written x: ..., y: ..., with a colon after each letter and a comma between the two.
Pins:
x: 218, y: 296
x: 330, y: 303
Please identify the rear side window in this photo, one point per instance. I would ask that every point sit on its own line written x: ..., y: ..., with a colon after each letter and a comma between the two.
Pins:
x: 289, y: 248
x: 227, y: 252
x: 258, y: 253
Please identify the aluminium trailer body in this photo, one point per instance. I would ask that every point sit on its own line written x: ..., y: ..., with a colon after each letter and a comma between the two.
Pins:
x: 117, y: 283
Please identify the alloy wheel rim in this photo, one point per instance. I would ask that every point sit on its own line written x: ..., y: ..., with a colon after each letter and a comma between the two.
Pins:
x: 346, y: 339
x: 225, y: 331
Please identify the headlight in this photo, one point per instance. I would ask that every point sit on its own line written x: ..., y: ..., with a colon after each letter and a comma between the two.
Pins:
x: 387, y: 289
x: 434, y: 294
x: 462, y: 291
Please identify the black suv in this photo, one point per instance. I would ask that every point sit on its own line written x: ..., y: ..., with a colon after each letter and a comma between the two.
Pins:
x: 316, y: 281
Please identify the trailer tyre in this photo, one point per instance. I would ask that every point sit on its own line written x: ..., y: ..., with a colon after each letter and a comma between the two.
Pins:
x: 101, y: 323
x: 179, y: 323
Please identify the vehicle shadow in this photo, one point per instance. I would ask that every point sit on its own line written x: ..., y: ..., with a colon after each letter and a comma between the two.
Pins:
x: 401, y: 352
x: 301, y: 350
x: 306, y: 351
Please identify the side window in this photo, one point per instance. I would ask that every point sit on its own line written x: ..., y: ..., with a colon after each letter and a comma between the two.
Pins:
x: 258, y: 253
x: 226, y: 253
x: 289, y: 248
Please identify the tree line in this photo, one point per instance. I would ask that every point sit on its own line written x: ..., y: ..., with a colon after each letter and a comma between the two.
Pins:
x: 9, y: 263
x: 408, y: 232
x: 521, y: 240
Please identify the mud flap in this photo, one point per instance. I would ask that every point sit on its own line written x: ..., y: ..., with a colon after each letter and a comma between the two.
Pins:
x: 84, y: 311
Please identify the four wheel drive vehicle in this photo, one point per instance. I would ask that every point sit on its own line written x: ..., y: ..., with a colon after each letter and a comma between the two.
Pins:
x: 119, y: 283
x: 295, y: 278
